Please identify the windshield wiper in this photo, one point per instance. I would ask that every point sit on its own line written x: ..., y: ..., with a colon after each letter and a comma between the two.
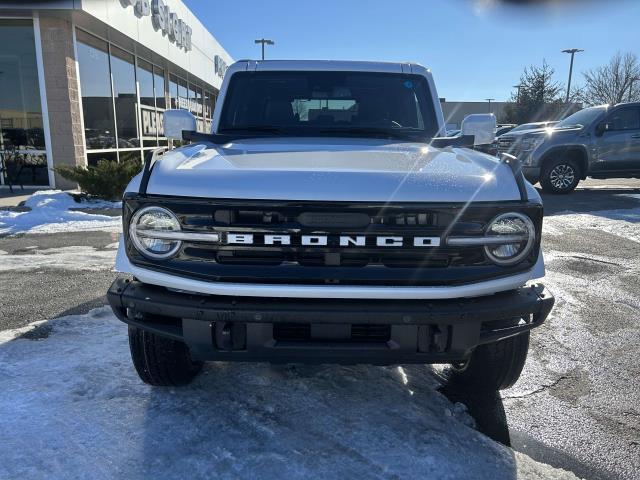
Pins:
x: 375, y: 132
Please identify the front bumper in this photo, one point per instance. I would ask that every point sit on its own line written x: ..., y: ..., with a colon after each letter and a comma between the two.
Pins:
x: 346, y: 331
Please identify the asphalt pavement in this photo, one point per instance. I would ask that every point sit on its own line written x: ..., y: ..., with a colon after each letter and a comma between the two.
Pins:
x: 576, y: 405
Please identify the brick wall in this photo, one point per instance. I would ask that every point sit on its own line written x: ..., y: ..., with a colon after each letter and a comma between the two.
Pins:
x: 63, y: 101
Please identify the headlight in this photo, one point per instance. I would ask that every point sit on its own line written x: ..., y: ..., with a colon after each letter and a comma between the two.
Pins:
x: 149, y: 229
x: 531, y: 143
x: 509, y: 238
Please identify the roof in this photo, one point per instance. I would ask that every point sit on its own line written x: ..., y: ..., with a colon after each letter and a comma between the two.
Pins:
x: 329, y: 65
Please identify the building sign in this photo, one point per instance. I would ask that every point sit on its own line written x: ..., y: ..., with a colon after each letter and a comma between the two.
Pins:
x: 164, y: 20
x: 220, y: 66
x: 191, y: 104
x: 152, y: 123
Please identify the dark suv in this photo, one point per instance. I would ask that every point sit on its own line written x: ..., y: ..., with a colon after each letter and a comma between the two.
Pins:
x: 597, y: 142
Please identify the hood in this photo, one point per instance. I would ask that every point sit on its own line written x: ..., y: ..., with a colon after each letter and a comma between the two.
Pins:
x: 332, y: 169
x: 522, y: 133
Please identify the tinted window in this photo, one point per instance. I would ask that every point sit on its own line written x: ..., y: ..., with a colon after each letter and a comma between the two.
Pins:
x: 627, y: 118
x: 304, y: 103
x: 95, y: 83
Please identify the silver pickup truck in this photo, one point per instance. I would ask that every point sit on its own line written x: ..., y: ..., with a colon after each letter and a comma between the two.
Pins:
x: 597, y: 142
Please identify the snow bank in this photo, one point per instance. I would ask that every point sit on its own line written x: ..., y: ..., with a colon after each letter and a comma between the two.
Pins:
x: 51, y: 214
x: 72, y: 406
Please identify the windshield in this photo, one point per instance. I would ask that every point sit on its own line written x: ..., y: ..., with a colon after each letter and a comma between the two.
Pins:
x: 309, y: 103
x: 582, y: 118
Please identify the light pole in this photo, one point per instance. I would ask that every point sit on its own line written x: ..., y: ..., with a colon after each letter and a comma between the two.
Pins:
x: 489, y: 100
x: 264, y: 42
x: 518, y: 87
x: 572, y: 51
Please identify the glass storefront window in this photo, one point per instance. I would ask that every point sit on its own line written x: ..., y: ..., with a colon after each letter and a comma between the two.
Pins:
x: 145, y: 83
x: 158, y: 83
x: 161, y: 102
x: 95, y: 83
x: 207, y: 104
x: 141, y: 92
x: 20, y: 108
x: 183, y: 98
x: 173, y: 91
x: 192, y: 99
x: 129, y: 156
x: 124, y: 92
x: 148, y: 118
x: 94, y: 158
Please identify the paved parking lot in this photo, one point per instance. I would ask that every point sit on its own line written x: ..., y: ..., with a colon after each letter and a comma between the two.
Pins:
x: 576, y: 405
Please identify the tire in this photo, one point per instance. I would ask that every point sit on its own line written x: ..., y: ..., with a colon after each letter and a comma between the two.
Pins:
x: 560, y: 176
x: 494, y: 366
x: 161, y: 361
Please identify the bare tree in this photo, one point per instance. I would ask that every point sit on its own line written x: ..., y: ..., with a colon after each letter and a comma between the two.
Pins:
x: 616, y: 82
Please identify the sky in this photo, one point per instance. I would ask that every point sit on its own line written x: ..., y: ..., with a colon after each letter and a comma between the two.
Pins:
x: 476, y: 49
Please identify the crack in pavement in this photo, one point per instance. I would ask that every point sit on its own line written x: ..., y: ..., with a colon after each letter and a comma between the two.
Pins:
x: 540, y: 389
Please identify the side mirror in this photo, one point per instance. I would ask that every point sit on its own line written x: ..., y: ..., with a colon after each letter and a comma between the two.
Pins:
x: 176, y: 121
x: 481, y: 125
x: 601, y: 128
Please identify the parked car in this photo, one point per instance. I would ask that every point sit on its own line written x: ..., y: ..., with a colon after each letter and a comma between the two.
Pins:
x: 341, y: 232
x: 502, y: 129
x: 597, y: 142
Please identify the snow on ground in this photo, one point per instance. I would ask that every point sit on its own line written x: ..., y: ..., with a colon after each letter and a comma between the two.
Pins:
x: 64, y: 258
x: 72, y: 406
x: 623, y: 223
x: 51, y: 213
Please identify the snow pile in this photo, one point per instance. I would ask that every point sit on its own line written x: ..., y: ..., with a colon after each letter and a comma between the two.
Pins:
x: 65, y: 258
x: 71, y: 403
x: 51, y: 213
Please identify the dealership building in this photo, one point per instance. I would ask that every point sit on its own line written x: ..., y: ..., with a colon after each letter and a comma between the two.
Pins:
x: 85, y: 80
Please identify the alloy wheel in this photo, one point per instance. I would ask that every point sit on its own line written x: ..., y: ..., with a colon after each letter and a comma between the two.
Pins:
x: 562, y: 176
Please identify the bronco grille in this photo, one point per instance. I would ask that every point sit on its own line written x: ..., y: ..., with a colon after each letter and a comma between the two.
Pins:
x: 321, y: 243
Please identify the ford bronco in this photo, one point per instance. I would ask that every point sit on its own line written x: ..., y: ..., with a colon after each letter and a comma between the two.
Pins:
x: 326, y: 219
